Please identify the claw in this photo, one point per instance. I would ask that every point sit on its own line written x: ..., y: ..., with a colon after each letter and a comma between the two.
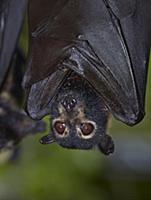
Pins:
x: 47, y: 139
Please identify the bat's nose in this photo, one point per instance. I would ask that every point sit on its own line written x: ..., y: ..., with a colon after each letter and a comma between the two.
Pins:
x: 69, y: 103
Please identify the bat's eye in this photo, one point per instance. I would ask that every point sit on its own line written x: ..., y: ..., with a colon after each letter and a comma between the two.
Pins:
x: 60, y: 127
x: 87, y: 128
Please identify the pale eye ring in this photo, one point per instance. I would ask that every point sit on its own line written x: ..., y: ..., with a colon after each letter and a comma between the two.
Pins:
x: 60, y: 128
x: 87, y: 130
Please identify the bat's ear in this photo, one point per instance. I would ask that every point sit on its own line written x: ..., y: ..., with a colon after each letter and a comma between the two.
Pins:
x: 106, y: 145
x: 48, y: 139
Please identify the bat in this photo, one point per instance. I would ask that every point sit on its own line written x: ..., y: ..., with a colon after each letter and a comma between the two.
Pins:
x: 14, y: 124
x: 87, y: 59
x: 79, y: 117
x: 11, y: 18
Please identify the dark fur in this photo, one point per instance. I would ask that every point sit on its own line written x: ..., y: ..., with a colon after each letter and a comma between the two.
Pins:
x: 94, y: 110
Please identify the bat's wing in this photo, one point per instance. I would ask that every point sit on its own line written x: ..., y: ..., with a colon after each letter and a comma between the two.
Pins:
x: 44, y: 75
x: 136, y: 33
x: 106, y: 42
x: 11, y: 17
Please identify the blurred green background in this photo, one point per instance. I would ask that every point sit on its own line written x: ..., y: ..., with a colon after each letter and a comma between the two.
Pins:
x: 51, y: 172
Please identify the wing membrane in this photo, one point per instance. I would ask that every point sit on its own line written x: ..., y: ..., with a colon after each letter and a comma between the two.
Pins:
x: 11, y: 17
x: 100, y: 40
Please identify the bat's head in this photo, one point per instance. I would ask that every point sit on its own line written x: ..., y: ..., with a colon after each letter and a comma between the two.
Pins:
x: 78, y: 116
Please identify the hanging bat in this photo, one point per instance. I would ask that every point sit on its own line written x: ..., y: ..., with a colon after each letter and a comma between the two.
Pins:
x: 14, y: 124
x: 11, y: 18
x: 87, y: 59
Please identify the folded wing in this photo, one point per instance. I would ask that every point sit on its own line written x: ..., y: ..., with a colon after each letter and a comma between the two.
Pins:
x: 11, y: 17
x: 105, y: 42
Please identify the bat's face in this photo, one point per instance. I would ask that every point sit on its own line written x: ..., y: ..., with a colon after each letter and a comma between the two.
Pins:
x: 78, y: 116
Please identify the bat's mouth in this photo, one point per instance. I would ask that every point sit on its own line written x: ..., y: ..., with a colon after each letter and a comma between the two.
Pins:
x: 69, y: 103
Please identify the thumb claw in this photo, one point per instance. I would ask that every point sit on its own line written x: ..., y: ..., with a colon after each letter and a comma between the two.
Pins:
x: 46, y: 139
